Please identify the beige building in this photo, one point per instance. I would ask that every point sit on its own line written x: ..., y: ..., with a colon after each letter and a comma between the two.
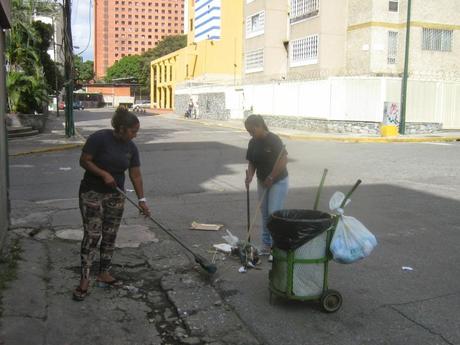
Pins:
x: 304, y: 39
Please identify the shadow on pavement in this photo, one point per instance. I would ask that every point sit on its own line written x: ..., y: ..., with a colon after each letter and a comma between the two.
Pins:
x: 382, y: 303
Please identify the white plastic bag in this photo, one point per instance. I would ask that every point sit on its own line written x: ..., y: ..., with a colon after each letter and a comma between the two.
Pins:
x: 351, y: 241
x: 231, y: 239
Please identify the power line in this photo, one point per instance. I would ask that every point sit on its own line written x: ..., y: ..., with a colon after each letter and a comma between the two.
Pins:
x: 90, y: 29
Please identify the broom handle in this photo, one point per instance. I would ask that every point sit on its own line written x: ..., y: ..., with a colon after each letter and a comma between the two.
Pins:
x: 320, y: 189
x: 350, y: 193
x: 161, y: 226
x: 248, y: 209
x: 251, y: 224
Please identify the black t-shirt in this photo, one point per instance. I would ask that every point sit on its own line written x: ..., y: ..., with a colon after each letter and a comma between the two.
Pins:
x: 110, y: 154
x: 263, y: 154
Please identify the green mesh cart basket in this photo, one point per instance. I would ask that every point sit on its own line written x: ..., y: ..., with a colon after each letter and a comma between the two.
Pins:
x: 302, y: 273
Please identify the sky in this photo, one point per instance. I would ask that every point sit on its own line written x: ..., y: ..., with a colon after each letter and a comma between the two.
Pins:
x: 82, y: 24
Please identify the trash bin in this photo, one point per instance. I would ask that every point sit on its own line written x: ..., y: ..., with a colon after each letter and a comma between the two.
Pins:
x: 301, y: 240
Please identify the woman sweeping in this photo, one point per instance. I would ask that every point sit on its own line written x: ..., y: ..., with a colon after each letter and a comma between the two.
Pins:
x: 106, y: 155
x: 267, y: 158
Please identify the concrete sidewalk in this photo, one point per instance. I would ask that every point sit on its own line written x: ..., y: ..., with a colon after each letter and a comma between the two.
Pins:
x: 51, y: 140
x: 294, y: 134
x: 54, y: 138
x: 165, y: 298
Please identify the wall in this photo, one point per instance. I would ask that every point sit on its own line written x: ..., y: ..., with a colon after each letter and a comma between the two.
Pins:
x: 331, y: 26
x: 4, y: 183
x: 110, y: 90
x: 271, y: 41
x: 343, y: 100
x: 367, y: 42
x: 216, y: 102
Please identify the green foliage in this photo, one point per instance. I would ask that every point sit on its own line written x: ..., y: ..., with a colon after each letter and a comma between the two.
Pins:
x: 50, y: 70
x: 31, y: 74
x: 129, y: 67
x: 26, y: 93
x: 83, y: 71
x: 168, y: 45
x: 137, y: 67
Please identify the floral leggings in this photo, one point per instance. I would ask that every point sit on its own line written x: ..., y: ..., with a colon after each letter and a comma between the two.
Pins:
x: 101, y: 214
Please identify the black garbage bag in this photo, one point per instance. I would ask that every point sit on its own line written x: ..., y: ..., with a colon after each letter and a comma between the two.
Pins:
x: 291, y: 229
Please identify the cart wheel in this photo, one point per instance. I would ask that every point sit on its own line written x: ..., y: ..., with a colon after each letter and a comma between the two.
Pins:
x: 331, y: 301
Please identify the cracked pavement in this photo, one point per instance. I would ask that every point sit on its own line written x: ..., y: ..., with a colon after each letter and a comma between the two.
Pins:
x: 153, y: 306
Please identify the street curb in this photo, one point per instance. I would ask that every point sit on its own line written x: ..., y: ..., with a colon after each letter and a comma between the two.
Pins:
x: 381, y: 140
x: 300, y: 137
x: 59, y: 148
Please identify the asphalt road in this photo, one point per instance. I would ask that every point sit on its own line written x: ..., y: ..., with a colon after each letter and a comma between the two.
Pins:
x: 408, y: 199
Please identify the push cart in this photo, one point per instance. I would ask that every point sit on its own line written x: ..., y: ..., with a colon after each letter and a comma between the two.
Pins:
x: 301, y: 254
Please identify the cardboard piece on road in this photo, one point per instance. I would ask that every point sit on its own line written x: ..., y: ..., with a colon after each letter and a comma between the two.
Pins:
x: 205, y: 227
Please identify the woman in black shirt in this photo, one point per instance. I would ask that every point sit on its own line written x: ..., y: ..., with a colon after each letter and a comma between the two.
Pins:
x: 106, y: 155
x: 267, y: 159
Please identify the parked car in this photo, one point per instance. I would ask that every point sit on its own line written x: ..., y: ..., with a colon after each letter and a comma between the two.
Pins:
x: 78, y: 105
x: 141, y: 106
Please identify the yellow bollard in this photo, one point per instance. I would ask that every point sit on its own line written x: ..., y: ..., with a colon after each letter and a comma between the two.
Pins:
x: 388, y: 131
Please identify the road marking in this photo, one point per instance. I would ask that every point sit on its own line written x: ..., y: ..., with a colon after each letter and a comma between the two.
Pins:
x: 22, y: 166
x: 440, y: 144
x: 49, y: 201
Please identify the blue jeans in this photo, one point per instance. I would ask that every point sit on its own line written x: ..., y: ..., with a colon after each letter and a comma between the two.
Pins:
x: 273, y: 201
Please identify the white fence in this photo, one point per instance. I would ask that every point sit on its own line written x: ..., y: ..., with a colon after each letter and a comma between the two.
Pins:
x: 342, y: 98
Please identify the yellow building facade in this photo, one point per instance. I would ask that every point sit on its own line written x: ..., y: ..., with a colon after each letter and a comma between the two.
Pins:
x: 214, y: 50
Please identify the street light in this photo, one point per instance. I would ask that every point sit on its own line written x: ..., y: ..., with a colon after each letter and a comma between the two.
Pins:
x: 402, y: 123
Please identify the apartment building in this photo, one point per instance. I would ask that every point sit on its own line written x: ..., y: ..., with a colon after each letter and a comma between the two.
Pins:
x: 213, y: 53
x: 376, y: 37
x: 303, y: 39
x: 290, y: 39
x: 131, y: 27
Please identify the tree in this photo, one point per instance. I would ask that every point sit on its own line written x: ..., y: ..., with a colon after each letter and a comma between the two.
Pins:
x: 25, y: 79
x: 26, y: 55
x: 83, y: 71
x: 128, y: 67
x: 137, y: 67
x: 168, y: 45
x: 50, y: 70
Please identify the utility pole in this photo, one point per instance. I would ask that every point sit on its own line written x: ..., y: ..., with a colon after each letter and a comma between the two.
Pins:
x: 56, y: 69
x: 402, y: 123
x: 69, y: 70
